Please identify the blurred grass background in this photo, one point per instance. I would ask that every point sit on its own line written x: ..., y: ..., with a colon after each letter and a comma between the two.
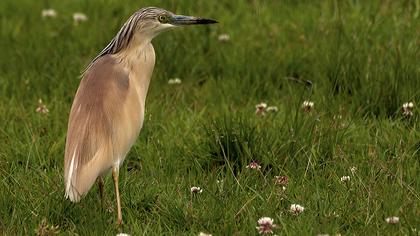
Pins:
x: 360, y: 57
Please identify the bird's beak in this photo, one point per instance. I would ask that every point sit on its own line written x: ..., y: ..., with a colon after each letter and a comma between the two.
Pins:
x: 179, y: 20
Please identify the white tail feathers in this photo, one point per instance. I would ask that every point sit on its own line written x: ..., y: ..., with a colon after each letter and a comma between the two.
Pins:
x: 71, y: 191
x: 80, y: 178
x: 72, y: 194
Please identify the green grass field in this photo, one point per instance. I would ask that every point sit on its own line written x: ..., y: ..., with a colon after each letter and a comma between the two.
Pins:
x: 358, y: 61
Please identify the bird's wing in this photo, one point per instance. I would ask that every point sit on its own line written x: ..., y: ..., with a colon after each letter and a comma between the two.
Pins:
x: 91, y: 129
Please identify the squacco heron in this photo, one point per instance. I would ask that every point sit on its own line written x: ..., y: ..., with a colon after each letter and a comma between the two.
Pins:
x: 108, y: 109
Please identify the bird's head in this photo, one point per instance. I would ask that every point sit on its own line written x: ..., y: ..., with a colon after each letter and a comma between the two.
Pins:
x: 151, y: 21
x: 144, y: 25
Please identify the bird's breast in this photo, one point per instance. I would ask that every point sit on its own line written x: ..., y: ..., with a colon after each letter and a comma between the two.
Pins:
x: 139, y: 66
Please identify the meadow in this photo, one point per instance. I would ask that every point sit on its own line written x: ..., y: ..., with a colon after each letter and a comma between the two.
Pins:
x: 357, y: 61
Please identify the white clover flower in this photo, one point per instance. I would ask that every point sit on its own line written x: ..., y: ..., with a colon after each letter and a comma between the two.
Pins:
x: 204, y: 234
x: 122, y: 234
x: 272, y: 109
x: 174, y: 81
x: 253, y: 165
x: 49, y: 13
x: 345, y: 178
x: 392, y: 220
x: 410, y: 105
x: 307, y: 106
x: 79, y: 17
x: 42, y: 108
x: 196, y: 190
x: 353, y: 170
x: 223, y: 38
x: 407, y: 109
x: 265, y: 225
x: 296, y: 208
x: 261, y: 109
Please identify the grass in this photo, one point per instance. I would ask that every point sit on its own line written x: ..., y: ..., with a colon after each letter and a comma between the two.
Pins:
x: 361, y: 57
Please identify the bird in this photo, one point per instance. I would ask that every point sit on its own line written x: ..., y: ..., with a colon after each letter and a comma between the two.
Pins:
x: 107, y: 112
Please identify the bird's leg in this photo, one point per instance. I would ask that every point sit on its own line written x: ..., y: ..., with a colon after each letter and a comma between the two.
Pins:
x: 101, y: 190
x: 117, y: 193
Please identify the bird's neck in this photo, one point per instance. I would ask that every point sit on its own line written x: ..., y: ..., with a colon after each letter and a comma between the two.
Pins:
x: 138, y: 59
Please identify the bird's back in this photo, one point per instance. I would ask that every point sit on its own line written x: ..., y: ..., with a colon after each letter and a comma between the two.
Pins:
x: 99, y: 131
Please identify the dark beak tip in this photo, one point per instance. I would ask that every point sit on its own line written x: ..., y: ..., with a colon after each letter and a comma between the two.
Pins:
x: 191, y: 20
x: 207, y: 21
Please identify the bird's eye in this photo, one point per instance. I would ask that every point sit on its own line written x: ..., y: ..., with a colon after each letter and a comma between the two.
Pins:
x: 163, y: 19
